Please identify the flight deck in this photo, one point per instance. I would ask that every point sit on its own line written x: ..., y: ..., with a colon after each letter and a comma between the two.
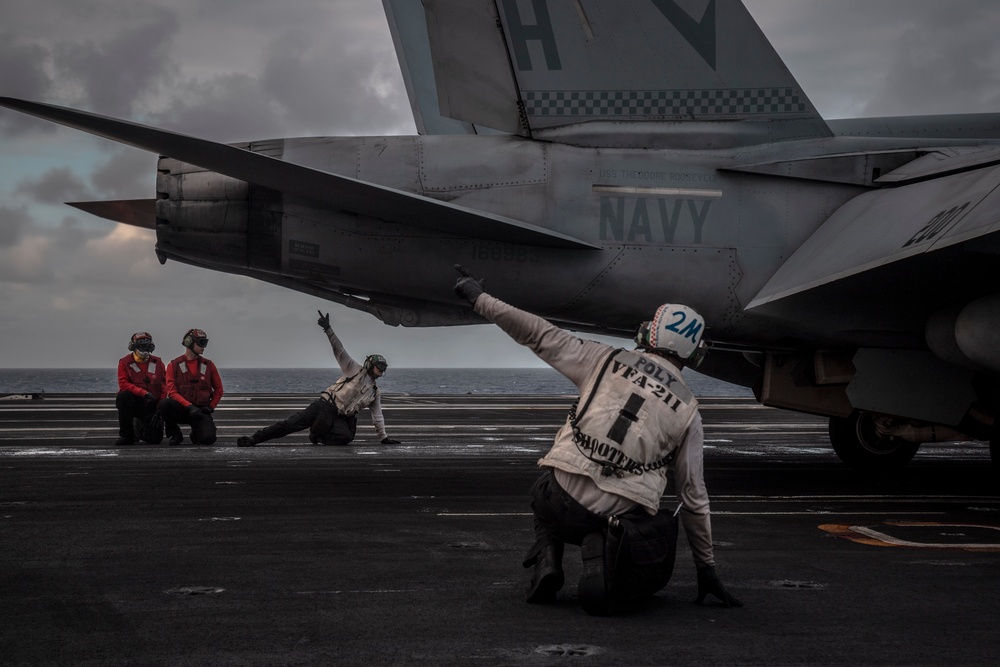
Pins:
x: 288, y: 553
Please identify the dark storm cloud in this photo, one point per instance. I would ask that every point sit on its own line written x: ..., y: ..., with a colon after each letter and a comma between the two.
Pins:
x: 25, y: 259
x: 128, y: 173
x: 13, y: 222
x: 113, y: 73
x: 336, y: 93
x: 236, y: 70
x: 945, y: 63
x: 72, y: 235
x: 892, y: 57
x: 22, y: 74
x: 54, y: 187
x: 227, y: 108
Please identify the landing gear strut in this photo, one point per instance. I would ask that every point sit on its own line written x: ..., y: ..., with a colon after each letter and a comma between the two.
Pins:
x: 859, y: 445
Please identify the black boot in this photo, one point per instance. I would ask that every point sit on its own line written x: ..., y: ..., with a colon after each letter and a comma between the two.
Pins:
x: 593, y: 588
x: 547, y: 578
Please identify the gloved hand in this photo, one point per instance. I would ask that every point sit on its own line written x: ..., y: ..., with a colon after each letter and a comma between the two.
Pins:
x: 389, y: 441
x: 208, y: 409
x: 324, y: 320
x: 150, y: 402
x: 709, y: 584
x: 468, y: 287
x: 194, y: 412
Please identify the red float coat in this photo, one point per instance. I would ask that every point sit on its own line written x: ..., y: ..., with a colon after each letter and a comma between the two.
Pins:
x: 194, y: 382
x: 141, y: 377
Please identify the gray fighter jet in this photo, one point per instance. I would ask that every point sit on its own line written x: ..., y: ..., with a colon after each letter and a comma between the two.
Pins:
x: 592, y: 159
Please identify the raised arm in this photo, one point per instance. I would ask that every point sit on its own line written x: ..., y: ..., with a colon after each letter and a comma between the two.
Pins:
x: 348, y: 365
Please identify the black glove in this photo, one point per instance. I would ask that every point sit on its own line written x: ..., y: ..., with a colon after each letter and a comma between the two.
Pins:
x: 389, y: 441
x: 150, y: 402
x: 709, y: 584
x: 208, y: 409
x: 468, y: 287
x: 324, y: 320
x: 194, y: 411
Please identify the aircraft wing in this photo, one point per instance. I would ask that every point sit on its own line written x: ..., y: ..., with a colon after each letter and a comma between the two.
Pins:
x: 889, y: 257
x: 341, y: 192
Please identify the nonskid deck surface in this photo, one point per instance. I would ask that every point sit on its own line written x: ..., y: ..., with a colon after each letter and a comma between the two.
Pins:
x: 410, y: 554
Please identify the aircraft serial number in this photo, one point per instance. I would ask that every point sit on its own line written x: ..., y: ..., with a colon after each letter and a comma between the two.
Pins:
x: 503, y: 253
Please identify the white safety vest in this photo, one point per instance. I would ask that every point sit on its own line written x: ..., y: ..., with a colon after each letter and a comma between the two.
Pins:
x: 351, y: 394
x: 632, y: 415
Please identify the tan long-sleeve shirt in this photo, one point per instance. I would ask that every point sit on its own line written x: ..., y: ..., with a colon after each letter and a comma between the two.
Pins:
x: 577, y: 358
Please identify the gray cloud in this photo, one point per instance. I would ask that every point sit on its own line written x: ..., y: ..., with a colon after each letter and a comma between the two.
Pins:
x: 227, y: 108
x: 335, y: 92
x: 111, y: 75
x: 236, y: 70
x: 72, y: 235
x: 127, y: 174
x: 945, y: 63
x: 22, y: 75
x: 54, y: 187
x: 892, y: 57
x: 13, y: 222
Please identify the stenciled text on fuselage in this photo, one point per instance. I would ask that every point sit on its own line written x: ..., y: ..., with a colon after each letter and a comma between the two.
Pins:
x: 653, y: 219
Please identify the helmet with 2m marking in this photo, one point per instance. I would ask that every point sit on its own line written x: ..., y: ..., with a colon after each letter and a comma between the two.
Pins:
x: 675, y: 329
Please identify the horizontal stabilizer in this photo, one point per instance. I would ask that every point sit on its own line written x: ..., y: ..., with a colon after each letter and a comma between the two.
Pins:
x: 889, y: 226
x: 341, y: 192
x: 135, y: 212
x: 942, y: 162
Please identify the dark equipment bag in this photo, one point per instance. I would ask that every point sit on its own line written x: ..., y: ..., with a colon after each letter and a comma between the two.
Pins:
x: 639, y: 553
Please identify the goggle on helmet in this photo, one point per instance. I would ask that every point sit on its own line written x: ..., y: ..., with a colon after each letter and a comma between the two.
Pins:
x: 675, y: 329
x: 375, y: 361
x: 141, y: 342
x: 195, y: 337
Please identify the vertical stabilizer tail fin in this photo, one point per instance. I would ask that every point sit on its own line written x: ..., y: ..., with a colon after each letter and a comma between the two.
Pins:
x: 409, y: 28
x: 526, y: 65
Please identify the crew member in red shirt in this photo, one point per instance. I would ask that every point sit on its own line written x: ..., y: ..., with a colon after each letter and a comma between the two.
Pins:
x: 194, y: 389
x: 140, y: 387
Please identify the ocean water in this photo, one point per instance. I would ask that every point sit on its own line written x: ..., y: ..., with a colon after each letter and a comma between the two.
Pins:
x: 313, y: 380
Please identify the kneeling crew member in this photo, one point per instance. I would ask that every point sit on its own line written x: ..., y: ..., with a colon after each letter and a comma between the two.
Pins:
x: 140, y: 388
x: 194, y: 389
x: 332, y: 419
x: 613, y: 460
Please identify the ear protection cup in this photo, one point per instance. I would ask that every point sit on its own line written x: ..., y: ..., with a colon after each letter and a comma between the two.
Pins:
x: 191, y: 336
x: 375, y: 360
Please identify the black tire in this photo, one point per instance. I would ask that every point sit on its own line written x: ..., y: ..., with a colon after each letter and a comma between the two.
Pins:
x: 858, y: 444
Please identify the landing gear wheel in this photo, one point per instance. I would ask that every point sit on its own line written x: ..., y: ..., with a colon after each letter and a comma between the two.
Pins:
x: 859, y: 445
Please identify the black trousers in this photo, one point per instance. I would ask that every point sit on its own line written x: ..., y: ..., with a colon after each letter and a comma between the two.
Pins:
x: 136, y: 421
x: 203, y: 430
x: 325, y: 425
x: 559, y: 518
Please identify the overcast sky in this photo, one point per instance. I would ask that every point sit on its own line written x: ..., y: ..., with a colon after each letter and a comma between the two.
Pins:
x: 74, y: 288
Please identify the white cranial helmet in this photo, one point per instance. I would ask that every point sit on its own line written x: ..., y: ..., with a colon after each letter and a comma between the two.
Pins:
x: 675, y: 329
